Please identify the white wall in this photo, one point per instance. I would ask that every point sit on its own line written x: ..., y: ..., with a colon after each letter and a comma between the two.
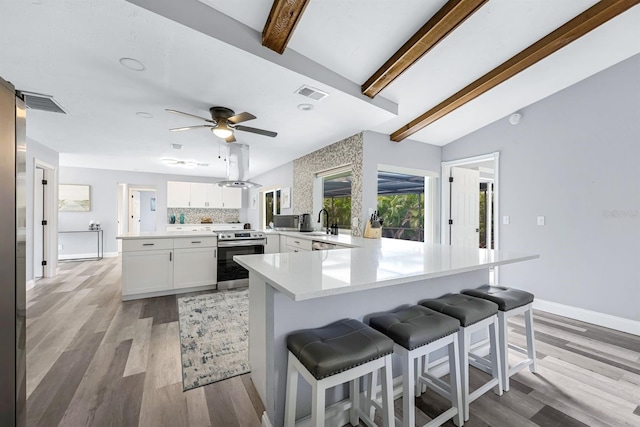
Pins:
x: 104, y: 194
x: 37, y: 151
x: 148, y: 218
x: 280, y: 177
x: 574, y: 159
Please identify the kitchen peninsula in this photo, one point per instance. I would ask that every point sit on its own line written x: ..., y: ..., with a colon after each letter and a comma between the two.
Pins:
x: 299, y: 290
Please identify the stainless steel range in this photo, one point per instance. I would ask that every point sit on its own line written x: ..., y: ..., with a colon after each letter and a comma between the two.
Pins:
x: 231, y: 243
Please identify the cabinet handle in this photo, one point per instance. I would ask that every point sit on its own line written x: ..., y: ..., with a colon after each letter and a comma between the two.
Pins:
x: 197, y: 241
x: 170, y: 256
x: 215, y: 253
x: 148, y: 244
x: 296, y: 241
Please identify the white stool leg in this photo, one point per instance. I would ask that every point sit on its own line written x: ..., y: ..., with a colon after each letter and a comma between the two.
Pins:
x: 388, y: 416
x: 531, y: 342
x: 495, y: 353
x: 292, y: 394
x: 503, y: 343
x: 408, y: 391
x: 372, y: 379
x: 317, y: 405
x: 454, y: 377
x: 354, y: 394
x: 463, y: 344
x: 419, y: 370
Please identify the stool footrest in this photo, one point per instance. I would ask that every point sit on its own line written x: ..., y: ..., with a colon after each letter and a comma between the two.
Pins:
x: 518, y: 349
x: 520, y: 366
x: 483, y: 389
x: 436, y: 384
x: 442, y: 418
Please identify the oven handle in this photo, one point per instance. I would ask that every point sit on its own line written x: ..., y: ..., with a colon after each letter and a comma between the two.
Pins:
x: 235, y: 243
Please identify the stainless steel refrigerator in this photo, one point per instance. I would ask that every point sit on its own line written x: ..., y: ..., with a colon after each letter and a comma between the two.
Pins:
x: 13, y: 245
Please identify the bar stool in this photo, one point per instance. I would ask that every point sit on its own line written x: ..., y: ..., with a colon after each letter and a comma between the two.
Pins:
x: 511, y: 302
x: 340, y: 352
x: 418, y: 331
x: 474, y: 314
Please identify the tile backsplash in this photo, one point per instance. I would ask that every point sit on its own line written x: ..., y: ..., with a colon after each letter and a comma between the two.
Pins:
x: 194, y: 215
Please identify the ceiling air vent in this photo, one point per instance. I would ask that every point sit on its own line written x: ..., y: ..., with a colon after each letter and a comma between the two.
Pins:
x: 311, y: 92
x: 38, y: 101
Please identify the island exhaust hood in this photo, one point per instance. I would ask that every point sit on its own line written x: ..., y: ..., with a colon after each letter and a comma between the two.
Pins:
x: 238, y: 167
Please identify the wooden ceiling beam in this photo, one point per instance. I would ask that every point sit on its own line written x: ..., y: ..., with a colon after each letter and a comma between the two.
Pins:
x: 588, y: 20
x: 282, y: 21
x: 447, y: 19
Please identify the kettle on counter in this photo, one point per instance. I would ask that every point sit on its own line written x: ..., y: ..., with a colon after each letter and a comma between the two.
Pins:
x: 305, y: 223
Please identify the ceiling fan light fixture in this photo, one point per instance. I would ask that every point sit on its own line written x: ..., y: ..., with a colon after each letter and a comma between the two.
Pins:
x: 222, y: 130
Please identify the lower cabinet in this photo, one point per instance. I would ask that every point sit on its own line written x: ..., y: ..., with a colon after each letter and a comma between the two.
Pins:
x: 147, y: 271
x: 296, y: 245
x: 273, y: 244
x: 195, y: 267
x: 165, y: 265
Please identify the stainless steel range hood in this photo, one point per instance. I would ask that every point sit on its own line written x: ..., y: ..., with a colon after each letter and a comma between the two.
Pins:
x: 238, y: 167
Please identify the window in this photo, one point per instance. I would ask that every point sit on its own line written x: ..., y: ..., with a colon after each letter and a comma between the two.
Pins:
x: 401, y: 204
x: 336, y: 195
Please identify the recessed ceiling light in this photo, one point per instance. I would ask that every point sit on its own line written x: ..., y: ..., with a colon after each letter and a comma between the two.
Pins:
x: 144, y: 115
x: 132, y: 64
x: 176, y: 146
x: 305, y: 107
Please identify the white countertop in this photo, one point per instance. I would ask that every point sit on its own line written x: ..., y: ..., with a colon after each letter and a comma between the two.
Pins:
x: 341, y: 239
x: 378, y: 263
x: 166, y: 235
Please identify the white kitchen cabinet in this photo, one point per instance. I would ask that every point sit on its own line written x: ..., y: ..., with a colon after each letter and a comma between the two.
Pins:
x: 295, y: 244
x: 283, y: 243
x: 273, y: 244
x: 214, y: 196
x: 195, y: 267
x: 231, y: 198
x: 152, y: 267
x: 198, y: 198
x: 145, y: 271
x: 178, y: 194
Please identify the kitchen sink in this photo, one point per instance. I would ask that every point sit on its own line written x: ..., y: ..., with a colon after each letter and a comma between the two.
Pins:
x: 317, y: 233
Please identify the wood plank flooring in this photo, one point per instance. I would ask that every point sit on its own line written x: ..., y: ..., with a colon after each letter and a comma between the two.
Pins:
x: 93, y: 360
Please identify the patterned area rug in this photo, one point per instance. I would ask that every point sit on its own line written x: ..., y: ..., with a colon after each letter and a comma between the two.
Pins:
x: 214, y: 336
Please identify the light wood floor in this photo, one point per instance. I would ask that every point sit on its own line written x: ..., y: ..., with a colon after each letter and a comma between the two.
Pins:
x: 93, y: 360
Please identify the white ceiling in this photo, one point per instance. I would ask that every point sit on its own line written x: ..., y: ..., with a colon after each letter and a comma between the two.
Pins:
x: 70, y: 49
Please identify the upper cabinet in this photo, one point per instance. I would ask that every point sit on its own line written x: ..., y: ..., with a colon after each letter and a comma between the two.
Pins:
x: 178, y: 194
x: 202, y: 195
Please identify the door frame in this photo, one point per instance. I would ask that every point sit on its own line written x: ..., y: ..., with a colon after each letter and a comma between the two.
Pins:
x: 446, y: 197
x: 50, y: 236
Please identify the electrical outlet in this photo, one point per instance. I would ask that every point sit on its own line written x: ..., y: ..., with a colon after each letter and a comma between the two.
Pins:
x: 59, y: 247
x: 355, y: 221
x: 541, y: 220
x: 506, y: 220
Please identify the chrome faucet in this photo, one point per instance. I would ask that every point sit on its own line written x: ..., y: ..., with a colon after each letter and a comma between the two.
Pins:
x: 326, y: 218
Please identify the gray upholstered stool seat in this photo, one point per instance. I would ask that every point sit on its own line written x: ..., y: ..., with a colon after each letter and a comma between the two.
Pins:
x: 474, y: 314
x: 468, y: 310
x: 419, y: 331
x: 506, y: 298
x: 337, y: 347
x: 341, y: 352
x: 414, y: 326
x: 511, y: 302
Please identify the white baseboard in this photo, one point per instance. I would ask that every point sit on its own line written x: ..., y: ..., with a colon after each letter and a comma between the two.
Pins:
x: 601, y: 319
x: 265, y: 420
x: 62, y: 257
x: 31, y: 284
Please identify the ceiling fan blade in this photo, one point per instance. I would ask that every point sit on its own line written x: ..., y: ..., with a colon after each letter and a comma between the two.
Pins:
x: 189, y: 128
x: 230, y: 138
x: 242, y: 117
x: 256, y: 130
x: 190, y: 115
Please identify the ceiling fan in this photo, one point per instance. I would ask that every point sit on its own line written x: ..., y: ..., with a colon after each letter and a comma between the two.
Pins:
x: 223, y: 123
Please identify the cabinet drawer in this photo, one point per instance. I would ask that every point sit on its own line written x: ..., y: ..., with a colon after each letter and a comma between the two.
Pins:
x: 129, y: 245
x: 303, y: 244
x: 194, y: 242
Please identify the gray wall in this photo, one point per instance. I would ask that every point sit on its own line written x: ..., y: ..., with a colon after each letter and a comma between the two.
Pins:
x: 280, y: 177
x: 35, y: 150
x: 574, y: 159
x: 104, y: 204
x: 379, y: 150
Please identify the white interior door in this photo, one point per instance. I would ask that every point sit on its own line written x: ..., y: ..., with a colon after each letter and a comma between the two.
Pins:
x: 38, y: 228
x: 465, y: 219
x: 134, y: 211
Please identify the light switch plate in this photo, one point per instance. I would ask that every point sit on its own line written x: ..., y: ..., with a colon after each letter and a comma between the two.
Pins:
x: 354, y: 221
x: 505, y: 220
x: 541, y: 220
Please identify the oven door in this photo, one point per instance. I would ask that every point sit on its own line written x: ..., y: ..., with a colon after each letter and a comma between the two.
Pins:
x: 230, y: 273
